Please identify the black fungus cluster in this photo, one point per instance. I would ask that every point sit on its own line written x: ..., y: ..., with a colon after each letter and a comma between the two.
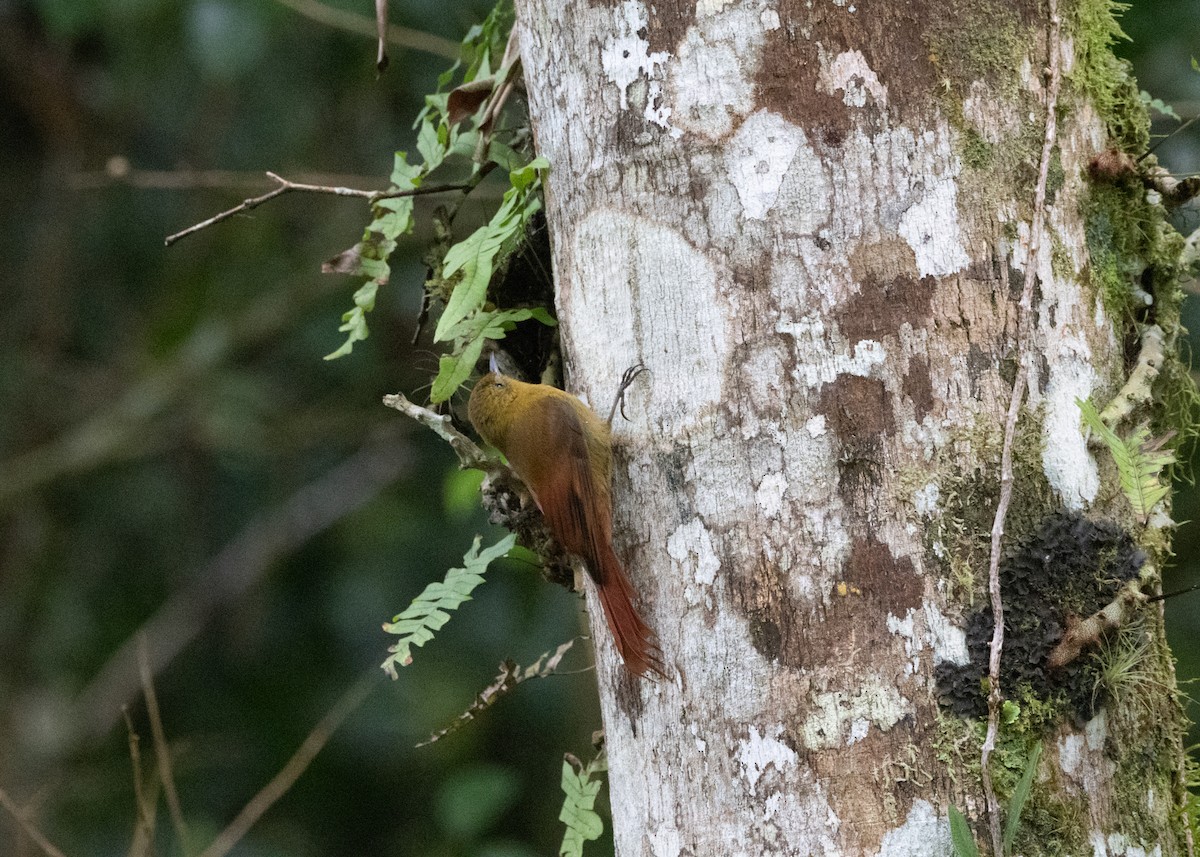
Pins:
x: 1072, y: 566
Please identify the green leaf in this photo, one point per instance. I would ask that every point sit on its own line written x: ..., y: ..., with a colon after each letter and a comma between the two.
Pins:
x: 404, y: 174
x: 961, y: 836
x: 354, y: 322
x: 431, y: 609
x: 580, y: 791
x: 475, y: 257
x: 505, y: 156
x: 1020, y: 794
x: 525, y: 176
x: 430, y: 144
x: 454, y: 369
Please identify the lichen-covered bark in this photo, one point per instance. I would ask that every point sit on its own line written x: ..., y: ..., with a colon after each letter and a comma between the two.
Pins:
x: 810, y: 222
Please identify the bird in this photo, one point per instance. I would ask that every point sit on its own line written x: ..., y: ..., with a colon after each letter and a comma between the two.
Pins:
x: 562, y: 451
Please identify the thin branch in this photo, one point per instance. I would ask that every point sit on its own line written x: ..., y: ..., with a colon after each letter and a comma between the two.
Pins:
x: 403, y: 36
x: 143, y: 833
x: 1024, y: 334
x: 118, y: 171
x: 469, y: 454
x: 286, y: 186
x: 511, y: 674
x: 1137, y: 390
x: 162, y: 753
x: 1082, y: 634
x: 301, y: 759
x: 242, y: 563
x: 28, y: 826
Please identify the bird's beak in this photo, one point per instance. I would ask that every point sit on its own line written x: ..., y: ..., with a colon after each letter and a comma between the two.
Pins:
x: 492, y: 367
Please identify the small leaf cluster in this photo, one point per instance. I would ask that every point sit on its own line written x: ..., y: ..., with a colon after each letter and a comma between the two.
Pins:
x: 459, y: 143
x: 431, y: 609
x: 470, y: 264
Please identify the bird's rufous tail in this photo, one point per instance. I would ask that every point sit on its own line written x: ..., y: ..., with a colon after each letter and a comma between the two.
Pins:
x: 635, y: 641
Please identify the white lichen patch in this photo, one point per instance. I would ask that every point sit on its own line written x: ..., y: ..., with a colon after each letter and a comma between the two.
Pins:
x: 758, y: 157
x: 770, y: 494
x: 946, y: 641
x: 925, y: 831
x: 666, y: 841
x: 626, y: 56
x: 925, y: 499
x: 991, y: 116
x: 1081, y: 756
x: 686, y: 360
x: 1068, y: 465
x: 692, y: 548
x: 711, y: 84
x: 931, y: 228
x: 850, y: 73
x: 815, y: 425
x: 833, y: 714
x: 760, y: 751
x: 817, y: 364
x: 1118, y: 845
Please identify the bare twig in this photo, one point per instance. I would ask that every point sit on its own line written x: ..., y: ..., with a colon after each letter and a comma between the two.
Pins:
x: 287, y: 776
x: 1024, y: 334
x: 363, y: 26
x: 469, y: 454
x: 511, y: 674
x: 240, y: 565
x: 119, y: 172
x: 162, y: 754
x: 143, y: 833
x: 286, y: 186
x: 28, y: 826
x: 381, y: 26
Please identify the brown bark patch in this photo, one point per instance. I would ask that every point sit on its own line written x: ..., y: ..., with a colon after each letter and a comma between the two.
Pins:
x: 857, y: 409
x: 774, y: 618
x: 918, y: 386
x: 892, y: 583
x: 883, y: 260
x: 890, y: 36
x: 668, y: 23
x: 880, y: 308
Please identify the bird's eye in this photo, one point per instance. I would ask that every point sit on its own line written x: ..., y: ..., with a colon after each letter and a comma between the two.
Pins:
x: 499, y: 384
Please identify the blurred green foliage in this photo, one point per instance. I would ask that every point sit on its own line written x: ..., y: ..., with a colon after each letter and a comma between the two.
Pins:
x: 169, y: 426
x: 171, y: 434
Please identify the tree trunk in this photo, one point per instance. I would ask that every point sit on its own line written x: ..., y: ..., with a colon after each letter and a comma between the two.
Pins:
x: 812, y: 222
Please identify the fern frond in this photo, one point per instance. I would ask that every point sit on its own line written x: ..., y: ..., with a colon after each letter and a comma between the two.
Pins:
x: 580, y: 790
x: 1140, y: 461
x: 430, y: 610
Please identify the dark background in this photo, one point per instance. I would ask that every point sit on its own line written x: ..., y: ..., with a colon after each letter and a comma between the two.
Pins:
x: 168, y: 427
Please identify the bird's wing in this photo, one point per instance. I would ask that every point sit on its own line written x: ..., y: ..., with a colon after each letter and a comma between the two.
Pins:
x: 554, y: 463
